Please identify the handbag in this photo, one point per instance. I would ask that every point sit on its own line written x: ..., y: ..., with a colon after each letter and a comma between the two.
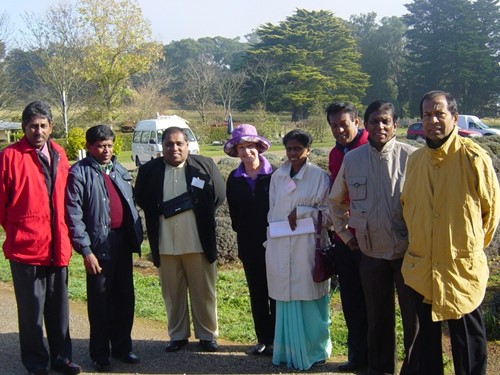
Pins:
x: 176, y: 205
x: 324, y: 267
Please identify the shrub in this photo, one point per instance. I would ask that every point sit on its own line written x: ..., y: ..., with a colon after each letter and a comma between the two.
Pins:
x: 76, y: 141
x: 118, y: 144
x: 126, y: 141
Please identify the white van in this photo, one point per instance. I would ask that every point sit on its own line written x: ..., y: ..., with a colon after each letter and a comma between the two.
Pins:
x: 146, y: 143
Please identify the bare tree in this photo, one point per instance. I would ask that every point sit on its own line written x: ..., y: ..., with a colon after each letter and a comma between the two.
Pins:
x: 55, y: 39
x: 260, y: 70
x: 229, y: 86
x: 150, y: 88
x: 199, y: 80
x: 6, y: 87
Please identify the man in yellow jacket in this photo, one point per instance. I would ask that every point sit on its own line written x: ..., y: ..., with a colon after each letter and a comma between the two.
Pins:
x: 451, y: 208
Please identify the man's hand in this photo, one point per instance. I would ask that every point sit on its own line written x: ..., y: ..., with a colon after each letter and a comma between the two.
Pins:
x: 292, y: 219
x: 91, y: 264
x: 353, y: 244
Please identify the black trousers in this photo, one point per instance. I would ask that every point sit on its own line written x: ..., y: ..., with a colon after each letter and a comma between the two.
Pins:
x: 379, y: 276
x: 42, y: 297
x: 111, y: 301
x: 468, y: 343
x: 353, y: 302
x: 263, y: 307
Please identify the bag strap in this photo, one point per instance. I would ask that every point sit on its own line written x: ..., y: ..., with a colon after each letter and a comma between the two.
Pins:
x: 318, y: 231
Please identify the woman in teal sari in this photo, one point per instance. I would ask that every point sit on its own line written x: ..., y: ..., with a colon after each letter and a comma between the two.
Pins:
x: 298, y: 190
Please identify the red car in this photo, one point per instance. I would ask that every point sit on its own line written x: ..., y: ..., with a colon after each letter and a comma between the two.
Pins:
x: 416, y: 132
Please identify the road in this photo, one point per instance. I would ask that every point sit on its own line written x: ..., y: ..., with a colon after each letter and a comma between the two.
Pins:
x: 149, y: 340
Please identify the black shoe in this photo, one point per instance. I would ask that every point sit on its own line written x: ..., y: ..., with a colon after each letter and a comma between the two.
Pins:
x: 268, y: 350
x: 174, y: 345
x: 259, y: 348
x: 351, y: 366
x: 67, y: 368
x: 209, y: 345
x: 39, y: 372
x: 101, y: 366
x: 129, y: 357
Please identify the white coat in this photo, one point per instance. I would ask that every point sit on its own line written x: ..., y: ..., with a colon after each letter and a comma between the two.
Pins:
x: 290, y: 260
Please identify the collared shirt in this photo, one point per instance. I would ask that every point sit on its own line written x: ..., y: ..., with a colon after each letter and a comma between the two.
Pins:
x: 45, y: 153
x: 178, y: 234
x: 106, y: 168
x: 265, y: 168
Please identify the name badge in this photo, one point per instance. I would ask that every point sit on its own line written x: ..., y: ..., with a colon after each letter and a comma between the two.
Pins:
x: 290, y: 186
x: 198, y: 182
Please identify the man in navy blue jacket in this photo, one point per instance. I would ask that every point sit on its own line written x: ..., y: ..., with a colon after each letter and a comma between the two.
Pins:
x: 105, y: 229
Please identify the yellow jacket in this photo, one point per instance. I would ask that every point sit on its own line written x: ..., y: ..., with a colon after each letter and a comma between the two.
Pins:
x: 451, y: 208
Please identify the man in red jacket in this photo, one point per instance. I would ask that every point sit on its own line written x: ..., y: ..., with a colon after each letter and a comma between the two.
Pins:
x: 343, y: 120
x: 33, y: 174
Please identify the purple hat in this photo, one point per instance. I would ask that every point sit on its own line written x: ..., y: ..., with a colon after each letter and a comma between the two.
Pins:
x: 245, y: 133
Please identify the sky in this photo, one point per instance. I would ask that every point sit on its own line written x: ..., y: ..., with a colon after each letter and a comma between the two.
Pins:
x: 181, y: 19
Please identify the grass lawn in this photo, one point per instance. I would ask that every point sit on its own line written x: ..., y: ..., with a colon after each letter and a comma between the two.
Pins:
x: 235, y: 318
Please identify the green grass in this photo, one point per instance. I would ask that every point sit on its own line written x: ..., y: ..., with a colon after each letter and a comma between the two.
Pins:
x: 235, y: 318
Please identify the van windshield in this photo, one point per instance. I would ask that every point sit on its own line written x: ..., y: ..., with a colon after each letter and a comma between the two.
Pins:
x: 188, y: 132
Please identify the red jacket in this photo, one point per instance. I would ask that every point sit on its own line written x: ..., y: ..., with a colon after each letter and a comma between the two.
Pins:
x: 336, y: 157
x: 337, y: 153
x: 25, y: 206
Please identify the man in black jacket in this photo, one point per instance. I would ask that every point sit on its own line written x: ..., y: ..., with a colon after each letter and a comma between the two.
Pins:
x: 182, y: 235
x: 105, y: 229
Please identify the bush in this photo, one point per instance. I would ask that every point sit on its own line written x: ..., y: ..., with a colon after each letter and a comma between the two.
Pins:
x: 126, y: 141
x: 117, y: 145
x: 76, y: 141
x: 209, y: 134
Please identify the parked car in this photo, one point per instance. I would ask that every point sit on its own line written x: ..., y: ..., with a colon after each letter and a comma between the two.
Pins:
x: 473, y: 123
x: 415, y: 131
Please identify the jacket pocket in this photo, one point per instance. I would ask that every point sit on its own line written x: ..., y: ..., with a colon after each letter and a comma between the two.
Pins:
x: 359, y: 223
x: 29, y: 233
x: 357, y: 187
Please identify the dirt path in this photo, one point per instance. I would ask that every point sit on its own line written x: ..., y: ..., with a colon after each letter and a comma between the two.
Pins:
x: 149, y: 341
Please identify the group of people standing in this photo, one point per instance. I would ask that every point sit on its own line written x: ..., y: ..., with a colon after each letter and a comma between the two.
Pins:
x: 405, y: 220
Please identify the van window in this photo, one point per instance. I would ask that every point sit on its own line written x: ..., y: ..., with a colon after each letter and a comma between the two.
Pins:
x: 190, y: 135
x: 137, y: 137
x: 146, y: 136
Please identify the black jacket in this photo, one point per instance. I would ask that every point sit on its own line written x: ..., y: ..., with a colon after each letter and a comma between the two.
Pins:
x: 149, y: 196
x: 248, y: 211
x: 87, y: 208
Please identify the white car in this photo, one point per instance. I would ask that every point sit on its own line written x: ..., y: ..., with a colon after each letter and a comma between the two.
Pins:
x: 469, y: 122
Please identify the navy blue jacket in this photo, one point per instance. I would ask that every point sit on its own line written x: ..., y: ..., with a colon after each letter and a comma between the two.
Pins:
x: 149, y: 196
x: 87, y: 208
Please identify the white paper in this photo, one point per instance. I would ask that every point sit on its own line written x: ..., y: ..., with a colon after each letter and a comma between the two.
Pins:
x: 282, y: 228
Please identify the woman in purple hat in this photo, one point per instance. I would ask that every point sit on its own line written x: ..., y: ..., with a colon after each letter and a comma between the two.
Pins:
x: 247, y: 195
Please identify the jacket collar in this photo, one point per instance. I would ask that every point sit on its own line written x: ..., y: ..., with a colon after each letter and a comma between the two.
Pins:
x: 452, y: 145
x: 284, y: 170
x: 25, y: 146
x: 98, y: 166
x: 386, y: 149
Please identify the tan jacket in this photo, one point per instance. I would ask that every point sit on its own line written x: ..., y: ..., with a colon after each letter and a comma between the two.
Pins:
x: 451, y: 207
x: 366, y: 197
